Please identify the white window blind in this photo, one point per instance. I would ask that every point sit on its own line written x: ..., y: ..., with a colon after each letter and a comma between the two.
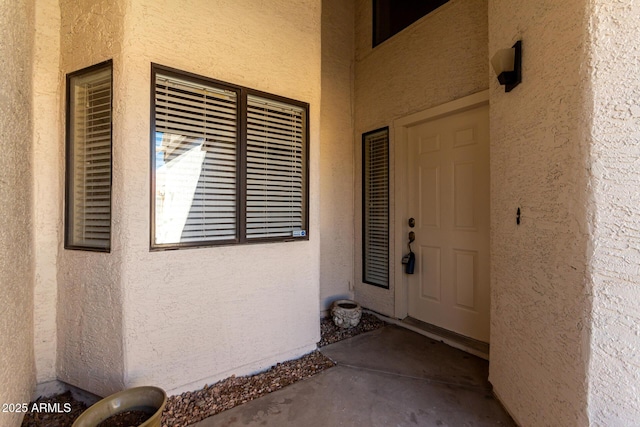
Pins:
x: 276, y: 169
x: 376, y: 207
x: 89, y: 147
x: 229, y: 164
x: 195, y: 163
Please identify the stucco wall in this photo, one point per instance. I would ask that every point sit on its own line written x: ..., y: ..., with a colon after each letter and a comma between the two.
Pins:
x: 336, y: 152
x: 614, y: 374
x: 17, y: 373
x: 47, y: 158
x: 439, y: 58
x: 540, y: 163
x: 196, y: 315
x: 90, y: 352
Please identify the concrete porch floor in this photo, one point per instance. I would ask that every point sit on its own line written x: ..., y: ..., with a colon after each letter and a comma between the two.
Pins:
x: 388, y: 377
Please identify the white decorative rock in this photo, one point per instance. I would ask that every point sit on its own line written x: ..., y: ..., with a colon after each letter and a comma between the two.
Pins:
x: 346, y: 313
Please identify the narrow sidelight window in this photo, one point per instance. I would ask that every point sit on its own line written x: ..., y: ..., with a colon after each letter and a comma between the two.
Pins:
x: 375, y: 207
x: 88, y: 159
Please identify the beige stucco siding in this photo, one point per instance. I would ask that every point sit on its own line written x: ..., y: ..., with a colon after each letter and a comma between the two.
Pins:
x: 440, y: 58
x: 614, y: 371
x: 563, y: 149
x: 193, y: 316
x: 17, y: 374
x: 90, y: 352
x: 540, y: 164
x: 336, y: 153
x: 180, y: 319
x: 47, y: 161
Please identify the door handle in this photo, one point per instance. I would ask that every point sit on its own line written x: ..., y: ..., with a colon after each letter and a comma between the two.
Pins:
x: 410, y: 259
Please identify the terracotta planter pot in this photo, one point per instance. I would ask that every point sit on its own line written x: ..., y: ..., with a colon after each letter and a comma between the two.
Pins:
x: 148, y: 399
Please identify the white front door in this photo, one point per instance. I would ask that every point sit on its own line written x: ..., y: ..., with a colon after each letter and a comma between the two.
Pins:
x: 448, y: 195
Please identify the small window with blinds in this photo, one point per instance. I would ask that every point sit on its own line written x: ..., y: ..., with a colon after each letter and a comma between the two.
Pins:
x: 88, y: 159
x: 276, y: 180
x: 195, y: 147
x: 229, y: 163
x: 375, y: 207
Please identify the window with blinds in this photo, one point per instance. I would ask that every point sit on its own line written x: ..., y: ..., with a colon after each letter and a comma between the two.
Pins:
x: 229, y: 163
x: 275, y: 169
x: 195, y: 147
x: 375, y: 207
x: 88, y: 159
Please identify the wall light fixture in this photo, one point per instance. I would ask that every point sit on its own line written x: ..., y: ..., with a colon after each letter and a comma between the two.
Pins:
x: 507, y: 63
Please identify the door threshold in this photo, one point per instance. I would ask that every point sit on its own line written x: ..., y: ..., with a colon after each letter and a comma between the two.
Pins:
x: 466, y: 344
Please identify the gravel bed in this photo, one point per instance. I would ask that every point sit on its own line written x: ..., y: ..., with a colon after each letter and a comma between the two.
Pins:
x: 191, y: 407
x: 331, y: 333
x: 54, y: 419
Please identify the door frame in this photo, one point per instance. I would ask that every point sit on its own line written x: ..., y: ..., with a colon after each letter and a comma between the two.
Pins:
x: 401, y: 228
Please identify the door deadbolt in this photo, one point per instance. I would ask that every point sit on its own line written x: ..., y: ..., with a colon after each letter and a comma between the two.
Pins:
x: 412, y: 236
x: 412, y: 222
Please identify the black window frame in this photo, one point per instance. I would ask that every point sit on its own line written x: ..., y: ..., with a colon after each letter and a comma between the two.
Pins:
x: 241, y: 161
x: 69, y: 163
x: 390, y: 17
x: 365, y: 278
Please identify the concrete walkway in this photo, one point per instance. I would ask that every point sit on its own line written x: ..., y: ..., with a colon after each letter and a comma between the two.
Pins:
x: 388, y: 377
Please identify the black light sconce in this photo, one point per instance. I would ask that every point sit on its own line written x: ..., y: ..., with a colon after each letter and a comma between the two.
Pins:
x: 507, y: 63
